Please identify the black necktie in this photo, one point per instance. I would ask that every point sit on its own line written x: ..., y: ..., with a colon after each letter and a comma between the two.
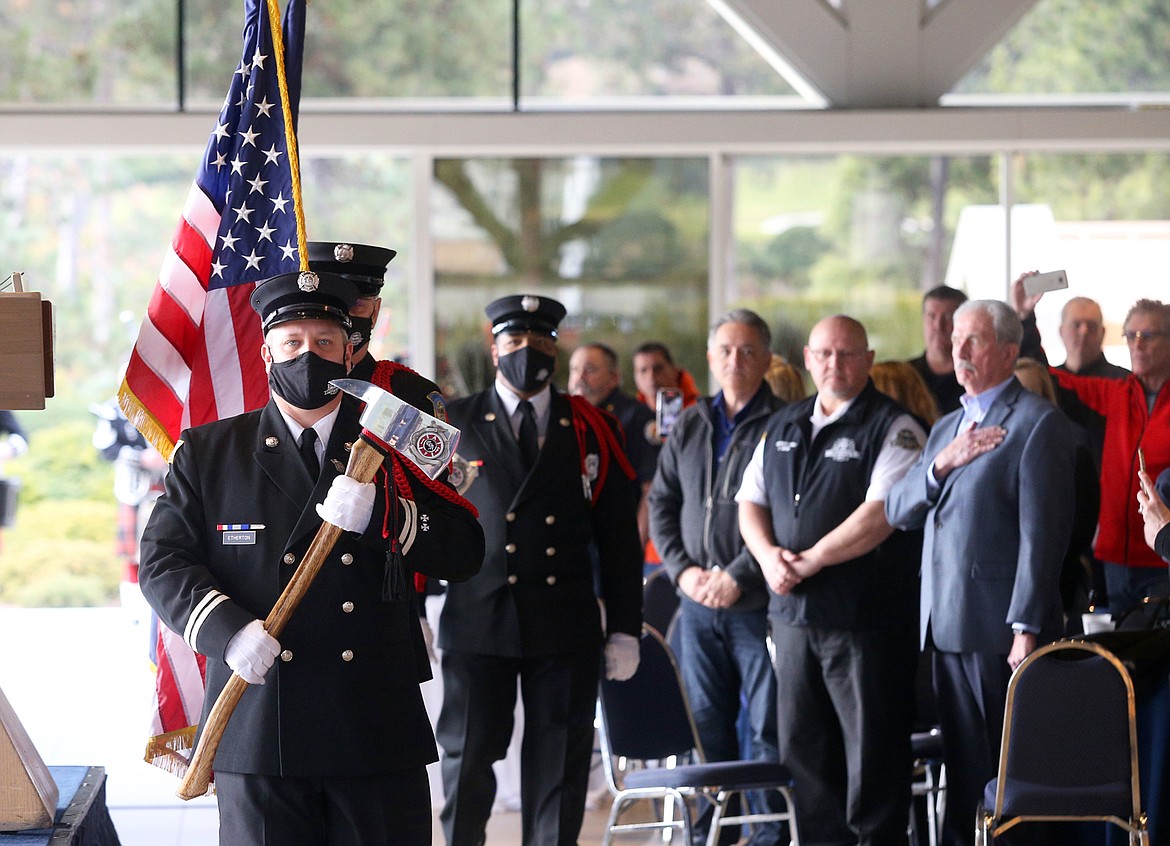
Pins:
x: 529, y: 446
x: 308, y: 450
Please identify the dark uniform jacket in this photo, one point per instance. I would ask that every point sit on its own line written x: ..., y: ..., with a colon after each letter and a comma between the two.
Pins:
x: 813, y: 485
x: 694, y: 519
x: 422, y: 393
x: 237, y: 517
x: 637, y: 423
x: 535, y: 594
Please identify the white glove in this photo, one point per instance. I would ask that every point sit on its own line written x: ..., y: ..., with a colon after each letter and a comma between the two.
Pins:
x: 251, y: 651
x: 622, y: 654
x: 348, y: 505
x: 429, y: 639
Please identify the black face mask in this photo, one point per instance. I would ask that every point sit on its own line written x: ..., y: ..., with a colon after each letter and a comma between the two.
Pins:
x: 363, y: 328
x: 527, y: 369
x: 304, y: 380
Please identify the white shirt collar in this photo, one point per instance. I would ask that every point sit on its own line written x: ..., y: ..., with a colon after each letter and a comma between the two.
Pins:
x: 541, y: 403
x: 820, y: 420
x: 323, y: 427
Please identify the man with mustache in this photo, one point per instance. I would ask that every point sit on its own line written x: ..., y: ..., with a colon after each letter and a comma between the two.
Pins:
x: 991, y: 489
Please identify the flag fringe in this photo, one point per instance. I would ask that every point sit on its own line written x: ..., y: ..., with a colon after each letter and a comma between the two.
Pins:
x: 166, y: 751
x: 145, y: 422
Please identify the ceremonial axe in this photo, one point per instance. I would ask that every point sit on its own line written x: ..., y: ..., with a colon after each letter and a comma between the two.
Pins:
x: 387, y: 423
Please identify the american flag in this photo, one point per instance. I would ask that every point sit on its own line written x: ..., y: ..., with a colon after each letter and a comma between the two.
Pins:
x: 197, y: 357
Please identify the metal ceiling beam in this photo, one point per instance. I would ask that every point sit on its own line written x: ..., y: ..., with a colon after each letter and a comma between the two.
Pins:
x: 701, y: 133
x: 880, y: 53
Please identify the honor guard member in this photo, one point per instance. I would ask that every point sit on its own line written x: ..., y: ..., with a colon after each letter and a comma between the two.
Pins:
x: 553, y: 481
x: 331, y: 744
x: 365, y: 266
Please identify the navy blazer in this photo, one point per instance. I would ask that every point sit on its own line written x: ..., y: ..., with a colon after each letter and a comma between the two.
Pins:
x: 996, y: 531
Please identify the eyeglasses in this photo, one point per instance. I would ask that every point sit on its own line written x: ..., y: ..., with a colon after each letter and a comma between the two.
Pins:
x: 1138, y: 335
x: 821, y: 356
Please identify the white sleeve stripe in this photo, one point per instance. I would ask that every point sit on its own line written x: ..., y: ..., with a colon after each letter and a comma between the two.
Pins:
x: 199, y: 616
x: 409, y: 525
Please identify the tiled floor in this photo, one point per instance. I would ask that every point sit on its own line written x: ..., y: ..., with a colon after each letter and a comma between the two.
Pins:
x: 175, y: 826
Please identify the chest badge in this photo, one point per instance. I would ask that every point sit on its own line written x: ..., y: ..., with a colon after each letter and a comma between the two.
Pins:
x: 842, y: 450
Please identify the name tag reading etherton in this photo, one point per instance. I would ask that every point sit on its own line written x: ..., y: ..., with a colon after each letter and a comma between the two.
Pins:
x: 239, y: 534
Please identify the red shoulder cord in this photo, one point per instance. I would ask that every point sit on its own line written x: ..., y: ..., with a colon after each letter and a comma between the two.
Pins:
x: 587, y: 416
x: 383, y: 374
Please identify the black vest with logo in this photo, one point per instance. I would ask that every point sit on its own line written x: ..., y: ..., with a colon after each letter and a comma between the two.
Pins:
x: 813, y: 485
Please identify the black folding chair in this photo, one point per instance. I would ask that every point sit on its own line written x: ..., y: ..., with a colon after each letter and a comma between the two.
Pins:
x: 651, y: 750
x: 1069, y: 748
x: 660, y: 602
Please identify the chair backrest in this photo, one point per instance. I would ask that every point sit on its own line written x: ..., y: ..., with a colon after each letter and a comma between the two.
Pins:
x: 659, y: 601
x: 1069, y: 721
x: 647, y: 717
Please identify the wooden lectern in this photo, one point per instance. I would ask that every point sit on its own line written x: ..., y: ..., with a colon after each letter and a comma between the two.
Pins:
x: 26, y: 348
x: 28, y: 794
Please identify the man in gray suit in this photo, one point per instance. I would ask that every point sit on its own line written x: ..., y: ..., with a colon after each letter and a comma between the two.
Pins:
x: 991, y: 490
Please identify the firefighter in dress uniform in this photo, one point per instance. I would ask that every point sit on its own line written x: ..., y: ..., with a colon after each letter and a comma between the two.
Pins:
x: 365, y: 266
x: 330, y: 743
x: 553, y: 481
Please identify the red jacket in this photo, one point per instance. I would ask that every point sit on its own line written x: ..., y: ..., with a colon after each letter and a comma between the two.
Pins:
x: 1128, y: 427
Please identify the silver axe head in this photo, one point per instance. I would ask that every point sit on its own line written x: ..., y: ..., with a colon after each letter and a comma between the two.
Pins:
x: 425, y: 440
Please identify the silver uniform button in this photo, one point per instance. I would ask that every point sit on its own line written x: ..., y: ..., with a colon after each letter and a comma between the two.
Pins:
x: 347, y: 607
x: 510, y: 516
x: 286, y: 655
x: 550, y: 519
x: 346, y: 559
x: 510, y: 548
x: 347, y: 655
x: 550, y: 551
x: 289, y: 558
x: 512, y: 579
x: 490, y: 416
x: 551, y: 580
x: 270, y: 442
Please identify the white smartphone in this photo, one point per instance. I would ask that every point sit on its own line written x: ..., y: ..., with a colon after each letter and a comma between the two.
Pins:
x: 1054, y: 280
x: 669, y: 405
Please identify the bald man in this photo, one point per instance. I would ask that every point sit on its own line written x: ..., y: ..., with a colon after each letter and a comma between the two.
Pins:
x: 843, y: 583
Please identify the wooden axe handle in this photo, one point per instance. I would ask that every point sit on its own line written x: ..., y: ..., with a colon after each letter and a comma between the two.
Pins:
x: 364, y: 461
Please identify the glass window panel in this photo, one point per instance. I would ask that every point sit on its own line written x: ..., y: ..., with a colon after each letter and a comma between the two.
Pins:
x: 1103, y: 218
x: 577, y: 51
x: 90, y: 234
x: 623, y: 243
x: 1071, y: 47
x: 85, y: 53
x: 863, y: 236
x: 376, y: 50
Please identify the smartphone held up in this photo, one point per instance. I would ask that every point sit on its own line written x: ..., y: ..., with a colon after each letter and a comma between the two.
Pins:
x: 668, y: 405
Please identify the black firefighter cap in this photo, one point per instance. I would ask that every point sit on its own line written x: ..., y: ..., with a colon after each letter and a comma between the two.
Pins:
x: 525, y: 313
x: 362, y: 264
x: 305, y: 295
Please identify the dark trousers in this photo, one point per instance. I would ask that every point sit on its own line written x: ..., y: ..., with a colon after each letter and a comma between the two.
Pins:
x: 726, y: 654
x: 972, y: 690
x: 383, y: 810
x: 845, y: 705
x: 475, y: 726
